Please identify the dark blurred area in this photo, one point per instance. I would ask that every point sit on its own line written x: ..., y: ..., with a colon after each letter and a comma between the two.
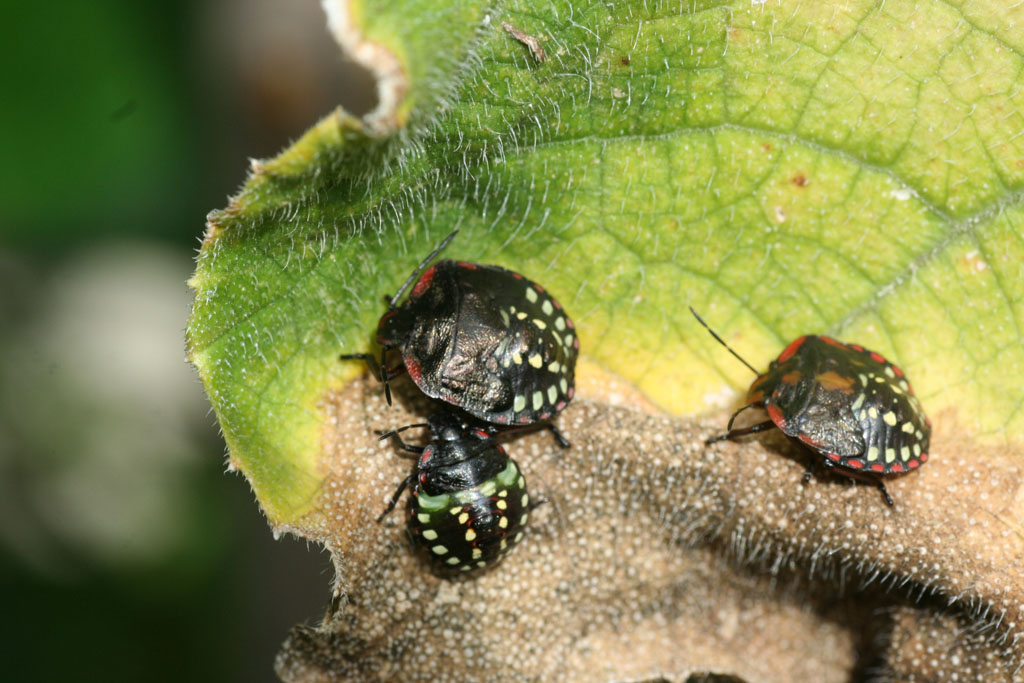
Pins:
x: 126, y: 551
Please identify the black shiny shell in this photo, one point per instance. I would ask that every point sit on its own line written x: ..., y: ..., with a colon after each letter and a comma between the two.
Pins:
x: 487, y: 340
x: 847, y: 403
x: 469, y: 504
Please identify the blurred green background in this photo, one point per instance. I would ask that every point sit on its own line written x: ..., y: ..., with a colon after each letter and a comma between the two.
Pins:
x: 126, y: 551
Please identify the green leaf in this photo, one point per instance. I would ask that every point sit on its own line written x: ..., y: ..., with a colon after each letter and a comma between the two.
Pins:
x: 784, y: 167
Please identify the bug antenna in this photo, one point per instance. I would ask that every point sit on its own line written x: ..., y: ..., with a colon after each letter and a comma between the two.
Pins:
x: 722, y: 342
x: 423, y: 264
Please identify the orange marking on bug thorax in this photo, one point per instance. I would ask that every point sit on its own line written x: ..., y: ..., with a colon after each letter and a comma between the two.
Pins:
x: 833, y: 381
x: 792, y: 377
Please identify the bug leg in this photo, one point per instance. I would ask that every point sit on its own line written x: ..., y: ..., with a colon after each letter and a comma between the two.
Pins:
x: 394, y: 498
x: 885, y: 494
x: 535, y: 504
x: 393, y: 435
x: 809, y: 472
x: 368, y: 358
x: 862, y: 477
x: 732, y: 433
x: 732, y: 418
x: 556, y: 435
x: 385, y: 376
x: 559, y: 439
x: 377, y: 368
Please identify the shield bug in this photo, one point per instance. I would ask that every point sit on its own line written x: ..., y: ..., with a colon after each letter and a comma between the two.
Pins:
x: 469, y: 502
x: 481, y: 338
x: 847, y: 404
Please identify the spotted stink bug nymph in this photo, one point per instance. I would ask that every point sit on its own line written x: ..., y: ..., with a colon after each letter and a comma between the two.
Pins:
x: 469, y: 504
x: 481, y: 338
x: 845, y: 403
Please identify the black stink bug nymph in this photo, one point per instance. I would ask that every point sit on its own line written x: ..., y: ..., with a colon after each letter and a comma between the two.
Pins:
x: 482, y: 338
x: 846, y: 403
x: 469, y: 500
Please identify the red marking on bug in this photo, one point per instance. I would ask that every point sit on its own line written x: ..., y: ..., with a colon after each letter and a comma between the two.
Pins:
x: 482, y: 434
x: 501, y: 419
x: 913, y: 464
x: 854, y: 464
x: 524, y: 419
x: 877, y: 358
x: 538, y: 288
x: 791, y: 349
x: 899, y: 373
x: 544, y: 416
x: 413, y: 368
x: 832, y: 456
x: 776, y: 415
x: 896, y: 467
x: 571, y: 392
x: 557, y: 305
x: 924, y: 457
x: 878, y: 467
x: 467, y: 265
x: 576, y: 343
x: 568, y: 322
x: 809, y: 441
x: 560, y: 406
x: 423, y: 284
x: 517, y: 276
x: 832, y: 342
x: 856, y: 347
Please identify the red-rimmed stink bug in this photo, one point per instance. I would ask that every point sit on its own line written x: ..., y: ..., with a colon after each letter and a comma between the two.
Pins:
x: 469, y: 502
x: 846, y: 403
x: 481, y: 338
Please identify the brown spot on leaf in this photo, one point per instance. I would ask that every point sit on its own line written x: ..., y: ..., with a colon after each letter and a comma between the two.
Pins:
x: 624, y: 60
x: 800, y: 180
